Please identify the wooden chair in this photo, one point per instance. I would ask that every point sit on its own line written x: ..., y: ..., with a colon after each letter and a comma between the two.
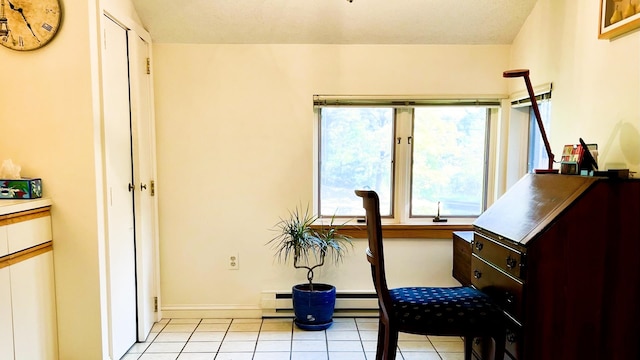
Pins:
x: 447, y: 311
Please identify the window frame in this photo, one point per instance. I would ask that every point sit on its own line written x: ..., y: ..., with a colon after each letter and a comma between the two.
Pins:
x: 485, y: 172
x: 402, y: 175
x: 515, y: 129
x: 317, y: 165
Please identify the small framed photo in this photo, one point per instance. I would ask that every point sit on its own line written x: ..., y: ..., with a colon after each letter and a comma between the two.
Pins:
x: 618, y: 17
x: 569, y: 168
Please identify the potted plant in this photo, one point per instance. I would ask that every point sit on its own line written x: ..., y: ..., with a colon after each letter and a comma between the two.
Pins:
x: 309, y: 247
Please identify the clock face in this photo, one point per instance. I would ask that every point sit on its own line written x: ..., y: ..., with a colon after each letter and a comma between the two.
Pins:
x: 28, y: 24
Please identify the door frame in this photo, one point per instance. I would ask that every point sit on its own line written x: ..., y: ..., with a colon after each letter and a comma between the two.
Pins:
x: 135, y: 29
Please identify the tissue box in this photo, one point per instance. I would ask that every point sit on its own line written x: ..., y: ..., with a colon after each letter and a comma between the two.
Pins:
x: 20, y: 189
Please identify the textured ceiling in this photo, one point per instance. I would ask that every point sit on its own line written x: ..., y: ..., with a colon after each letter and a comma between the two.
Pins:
x: 334, y: 21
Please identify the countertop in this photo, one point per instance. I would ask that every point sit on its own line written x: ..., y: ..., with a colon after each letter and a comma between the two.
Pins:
x: 14, y: 206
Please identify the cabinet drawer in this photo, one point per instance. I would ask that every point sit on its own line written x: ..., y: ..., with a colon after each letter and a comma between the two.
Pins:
x: 507, y: 259
x: 4, y: 245
x: 26, y: 234
x: 503, y: 289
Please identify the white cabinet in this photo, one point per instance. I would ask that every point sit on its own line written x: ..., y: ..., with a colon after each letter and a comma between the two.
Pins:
x: 34, y: 308
x: 28, y: 325
x: 6, y: 316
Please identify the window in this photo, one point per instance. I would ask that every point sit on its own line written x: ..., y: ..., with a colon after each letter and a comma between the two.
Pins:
x: 538, y: 158
x: 524, y: 149
x: 356, y: 152
x: 449, y: 151
x: 421, y: 158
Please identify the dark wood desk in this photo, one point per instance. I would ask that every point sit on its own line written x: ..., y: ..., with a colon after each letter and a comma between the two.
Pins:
x: 462, y: 256
x: 561, y: 254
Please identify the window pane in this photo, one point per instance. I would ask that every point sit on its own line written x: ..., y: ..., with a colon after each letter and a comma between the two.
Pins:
x: 356, y: 152
x: 538, y: 158
x: 448, y: 161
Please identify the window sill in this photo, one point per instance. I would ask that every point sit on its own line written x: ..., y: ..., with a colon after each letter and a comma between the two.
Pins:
x: 418, y: 230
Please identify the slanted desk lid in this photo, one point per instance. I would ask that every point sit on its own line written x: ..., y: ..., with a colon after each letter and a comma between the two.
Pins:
x: 532, y: 204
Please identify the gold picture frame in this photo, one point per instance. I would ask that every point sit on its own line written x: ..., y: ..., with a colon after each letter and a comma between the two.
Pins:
x: 618, y: 17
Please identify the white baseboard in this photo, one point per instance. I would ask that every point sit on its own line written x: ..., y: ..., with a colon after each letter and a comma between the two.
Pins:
x: 275, y: 304
x: 348, y: 304
x: 211, y: 311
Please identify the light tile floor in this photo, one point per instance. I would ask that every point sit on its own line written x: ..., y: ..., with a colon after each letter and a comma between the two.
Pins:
x: 279, y: 339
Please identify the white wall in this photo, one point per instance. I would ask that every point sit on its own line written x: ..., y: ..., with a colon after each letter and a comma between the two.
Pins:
x: 235, y: 145
x: 50, y: 121
x: 596, y: 83
x: 48, y: 127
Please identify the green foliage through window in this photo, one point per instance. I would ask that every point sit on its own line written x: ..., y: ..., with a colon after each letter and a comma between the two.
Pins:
x: 442, y: 159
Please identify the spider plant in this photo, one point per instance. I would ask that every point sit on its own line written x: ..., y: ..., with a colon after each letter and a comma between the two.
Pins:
x: 308, y: 245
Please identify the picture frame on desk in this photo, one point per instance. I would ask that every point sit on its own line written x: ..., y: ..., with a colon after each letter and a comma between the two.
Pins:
x: 618, y: 17
x: 569, y: 168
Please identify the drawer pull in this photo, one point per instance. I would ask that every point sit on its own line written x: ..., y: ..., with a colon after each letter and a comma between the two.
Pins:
x: 477, y: 274
x: 511, y: 262
x: 479, y: 246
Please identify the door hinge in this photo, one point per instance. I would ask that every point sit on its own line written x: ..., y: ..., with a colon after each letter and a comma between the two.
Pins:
x: 153, y: 188
x: 148, y: 66
x: 155, y: 304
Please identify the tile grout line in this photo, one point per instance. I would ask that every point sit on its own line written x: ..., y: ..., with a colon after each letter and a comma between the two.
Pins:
x: 255, y: 346
x: 291, y: 344
x: 364, y: 352
x: 226, y: 332
x: 189, y: 338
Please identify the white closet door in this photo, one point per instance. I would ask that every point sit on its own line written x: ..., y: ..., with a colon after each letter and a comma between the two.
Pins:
x: 142, y: 131
x: 121, y: 277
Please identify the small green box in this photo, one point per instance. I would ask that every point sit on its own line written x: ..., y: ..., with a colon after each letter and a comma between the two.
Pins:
x: 20, y: 189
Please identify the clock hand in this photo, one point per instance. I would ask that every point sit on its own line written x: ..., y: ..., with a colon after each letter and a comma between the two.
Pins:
x: 24, y: 18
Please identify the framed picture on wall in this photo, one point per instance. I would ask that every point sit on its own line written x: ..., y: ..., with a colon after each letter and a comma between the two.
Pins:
x: 618, y: 17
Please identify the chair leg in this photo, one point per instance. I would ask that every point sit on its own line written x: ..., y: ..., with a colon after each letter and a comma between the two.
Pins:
x: 391, y: 343
x: 500, y: 344
x: 468, y: 343
x: 381, y: 340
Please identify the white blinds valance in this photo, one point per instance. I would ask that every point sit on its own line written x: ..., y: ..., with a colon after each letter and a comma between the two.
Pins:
x: 521, y: 98
x: 403, y: 101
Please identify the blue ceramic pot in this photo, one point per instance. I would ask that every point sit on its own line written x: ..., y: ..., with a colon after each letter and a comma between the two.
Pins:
x: 314, y: 308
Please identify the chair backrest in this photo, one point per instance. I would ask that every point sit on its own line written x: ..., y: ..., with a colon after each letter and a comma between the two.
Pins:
x: 375, y: 251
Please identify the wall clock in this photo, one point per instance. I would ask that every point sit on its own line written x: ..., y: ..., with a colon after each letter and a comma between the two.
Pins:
x: 28, y: 24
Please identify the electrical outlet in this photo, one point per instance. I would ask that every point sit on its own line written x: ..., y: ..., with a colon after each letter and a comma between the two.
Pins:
x: 234, y: 262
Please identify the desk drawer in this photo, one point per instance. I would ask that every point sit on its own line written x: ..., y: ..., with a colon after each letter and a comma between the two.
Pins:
x: 502, y: 288
x: 507, y: 259
x: 484, y: 349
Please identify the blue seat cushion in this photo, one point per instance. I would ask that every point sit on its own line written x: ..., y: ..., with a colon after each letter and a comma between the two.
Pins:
x: 445, y: 310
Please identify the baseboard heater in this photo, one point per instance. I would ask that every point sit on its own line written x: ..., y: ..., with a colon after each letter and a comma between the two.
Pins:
x: 348, y: 304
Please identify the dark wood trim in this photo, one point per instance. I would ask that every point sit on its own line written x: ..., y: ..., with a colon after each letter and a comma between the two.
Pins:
x: 21, y: 216
x: 406, y: 231
x: 25, y: 254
